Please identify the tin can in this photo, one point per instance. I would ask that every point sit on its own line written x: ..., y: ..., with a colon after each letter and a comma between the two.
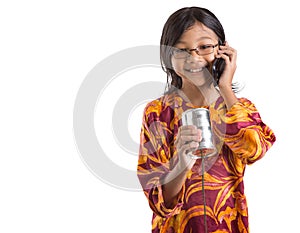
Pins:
x: 201, y: 119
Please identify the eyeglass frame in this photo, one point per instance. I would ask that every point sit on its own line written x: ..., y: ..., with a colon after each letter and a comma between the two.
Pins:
x: 188, y: 51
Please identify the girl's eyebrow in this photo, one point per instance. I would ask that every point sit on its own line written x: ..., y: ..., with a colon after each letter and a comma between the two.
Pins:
x: 201, y: 38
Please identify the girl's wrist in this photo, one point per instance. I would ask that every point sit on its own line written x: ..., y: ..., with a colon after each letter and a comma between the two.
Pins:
x: 228, y: 96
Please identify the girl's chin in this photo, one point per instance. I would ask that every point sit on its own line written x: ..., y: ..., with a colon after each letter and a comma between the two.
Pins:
x: 197, y: 79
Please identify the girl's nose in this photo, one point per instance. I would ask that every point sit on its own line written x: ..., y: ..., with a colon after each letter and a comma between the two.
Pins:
x: 194, y: 56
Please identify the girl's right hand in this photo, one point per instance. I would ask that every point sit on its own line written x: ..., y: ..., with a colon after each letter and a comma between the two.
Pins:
x: 187, y: 140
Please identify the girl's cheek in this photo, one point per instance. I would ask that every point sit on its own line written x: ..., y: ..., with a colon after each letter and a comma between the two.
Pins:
x: 212, y: 57
x: 177, y: 67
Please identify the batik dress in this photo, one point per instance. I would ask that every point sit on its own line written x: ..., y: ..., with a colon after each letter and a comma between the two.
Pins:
x: 242, y: 139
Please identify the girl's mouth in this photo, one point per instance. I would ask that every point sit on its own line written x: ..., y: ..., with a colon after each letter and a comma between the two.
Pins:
x: 194, y: 70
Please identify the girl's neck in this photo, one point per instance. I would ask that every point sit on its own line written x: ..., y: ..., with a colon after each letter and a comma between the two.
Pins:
x: 193, y: 95
x: 199, y: 96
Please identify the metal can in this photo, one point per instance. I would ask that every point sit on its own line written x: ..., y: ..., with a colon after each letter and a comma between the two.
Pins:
x: 201, y: 119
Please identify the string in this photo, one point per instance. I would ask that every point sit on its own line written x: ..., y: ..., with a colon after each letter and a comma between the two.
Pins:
x: 203, y: 191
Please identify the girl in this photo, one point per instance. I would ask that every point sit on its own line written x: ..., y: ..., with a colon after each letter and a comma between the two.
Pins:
x: 198, y: 195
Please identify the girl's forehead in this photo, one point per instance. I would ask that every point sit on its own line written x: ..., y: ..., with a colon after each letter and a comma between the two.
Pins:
x: 197, y: 31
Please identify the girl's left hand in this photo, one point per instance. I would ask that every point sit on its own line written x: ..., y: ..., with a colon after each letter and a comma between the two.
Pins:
x: 229, y: 55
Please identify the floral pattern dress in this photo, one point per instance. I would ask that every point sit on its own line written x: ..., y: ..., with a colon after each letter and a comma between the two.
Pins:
x: 212, y: 198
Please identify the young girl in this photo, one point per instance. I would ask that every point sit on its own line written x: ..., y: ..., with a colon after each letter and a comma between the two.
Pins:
x: 199, y: 195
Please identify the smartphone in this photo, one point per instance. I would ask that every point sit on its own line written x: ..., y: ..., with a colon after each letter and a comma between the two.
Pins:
x: 218, y: 67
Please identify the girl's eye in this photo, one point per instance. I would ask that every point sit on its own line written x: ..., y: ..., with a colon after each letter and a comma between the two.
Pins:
x: 180, y: 50
x: 208, y: 46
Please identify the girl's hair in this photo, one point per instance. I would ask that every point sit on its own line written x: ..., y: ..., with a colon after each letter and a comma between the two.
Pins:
x: 176, y: 25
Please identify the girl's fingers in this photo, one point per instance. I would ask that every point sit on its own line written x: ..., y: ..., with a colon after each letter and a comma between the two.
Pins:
x: 188, y: 147
x: 186, y: 135
x: 187, y: 130
x: 188, y: 138
x: 227, y: 55
x: 190, y: 134
x: 225, y: 49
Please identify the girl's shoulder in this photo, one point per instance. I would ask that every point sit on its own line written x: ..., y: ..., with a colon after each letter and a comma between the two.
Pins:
x: 242, y: 101
x: 163, y: 104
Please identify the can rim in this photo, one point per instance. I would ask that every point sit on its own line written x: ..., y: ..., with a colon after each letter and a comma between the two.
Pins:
x: 195, y: 109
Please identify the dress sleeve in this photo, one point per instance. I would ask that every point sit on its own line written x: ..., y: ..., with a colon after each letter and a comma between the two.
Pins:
x: 154, y: 161
x: 245, y: 132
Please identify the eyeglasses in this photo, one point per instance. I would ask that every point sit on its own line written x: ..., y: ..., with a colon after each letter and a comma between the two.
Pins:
x: 201, y: 50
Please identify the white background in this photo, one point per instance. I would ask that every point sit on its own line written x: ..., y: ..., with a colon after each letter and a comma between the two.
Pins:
x: 46, y: 50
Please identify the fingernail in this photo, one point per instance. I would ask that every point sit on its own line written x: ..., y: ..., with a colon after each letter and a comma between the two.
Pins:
x: 194, y: 144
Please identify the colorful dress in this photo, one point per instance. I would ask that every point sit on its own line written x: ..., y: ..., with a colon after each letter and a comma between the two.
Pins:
x: 212, y: 200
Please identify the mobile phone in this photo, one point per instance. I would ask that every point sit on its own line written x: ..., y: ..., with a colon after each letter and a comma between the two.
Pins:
x: 218, y: 67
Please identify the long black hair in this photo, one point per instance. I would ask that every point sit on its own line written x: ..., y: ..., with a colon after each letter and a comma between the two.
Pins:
x: 175, y: 26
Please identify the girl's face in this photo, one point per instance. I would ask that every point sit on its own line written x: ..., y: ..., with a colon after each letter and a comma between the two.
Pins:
x: 191, y: 66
